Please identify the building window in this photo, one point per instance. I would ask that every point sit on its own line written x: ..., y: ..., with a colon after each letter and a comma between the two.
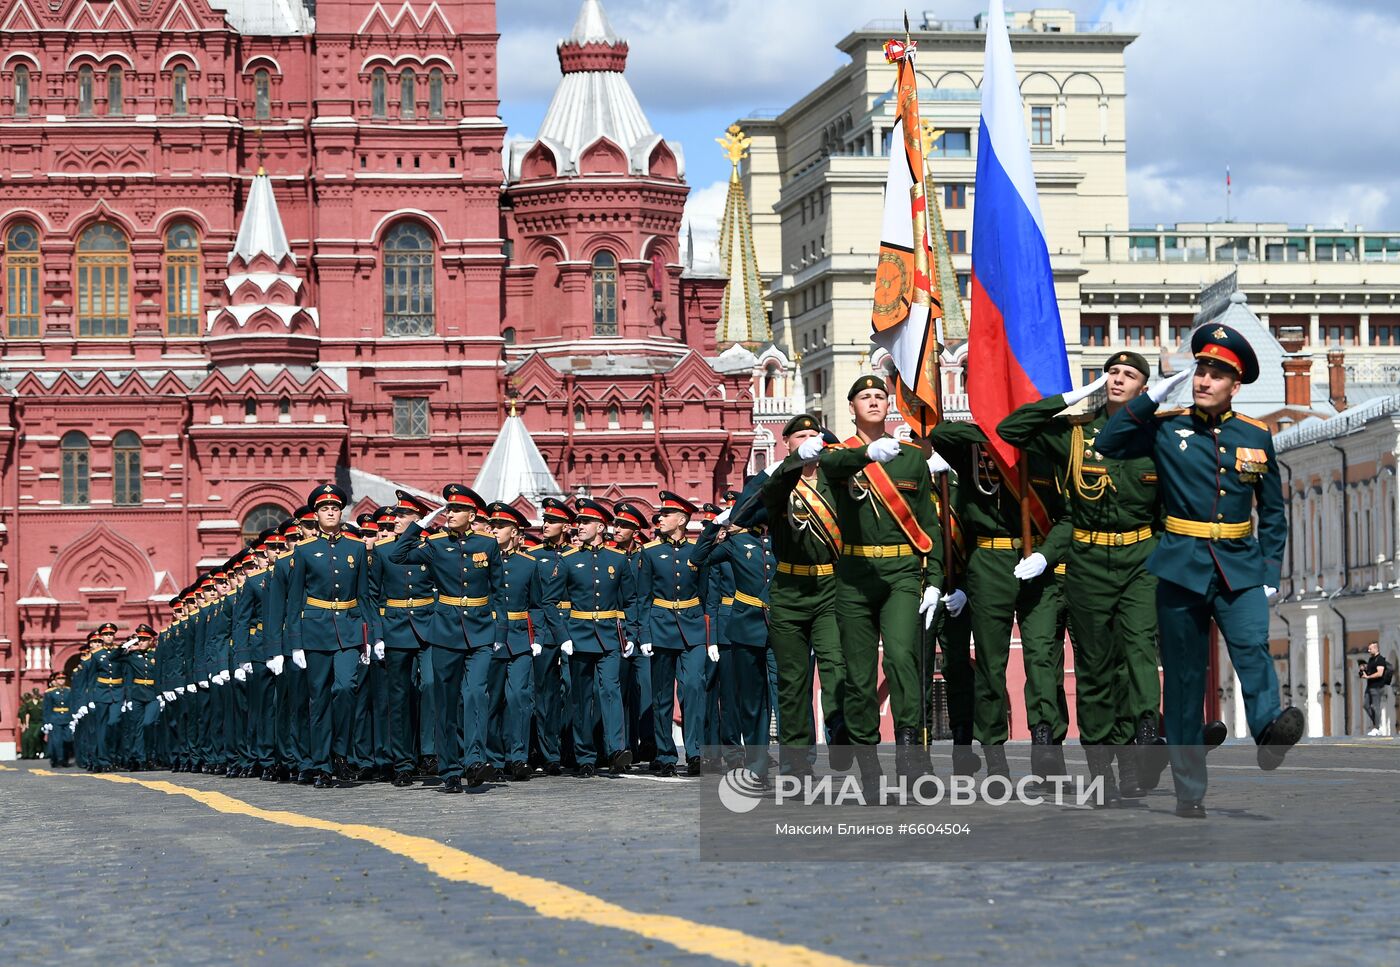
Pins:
x: 377, y: 99
x: 1138, y: 335
x: 284, y: 410
x: 1093, y: 333
x: 955, y: 196
x: 114, y: 90
x: 1041, y: 128
x: 614, y: 418
x: 508, y: 335
x: 579, y: 419
x: 957, y: 242
x: 182, y: 280
x: 85, y: 91
x: 604, y: 294
x: 1385, y: 334
x: 1179, y: 332
x: 180, y: 91
x: 250, y: 410
x: 1339, y: 334
x: 74, y: 446
x: 953, y: 144
x: 21, y: 91
x: 262, y: 94
x: 408, y: 93
x: 1088, y: 374
x: 408, y: 281
x: 410, y: 417
x: 104, y: 275
x: 259, y: 519
x: 435, y: 93
x: 965, y: 284
x: 126, y: 469
x: 22, y: 270
x: 648, y: 417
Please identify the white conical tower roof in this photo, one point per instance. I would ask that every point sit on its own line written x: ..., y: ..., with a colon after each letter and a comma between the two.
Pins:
x: 515, y: 467
x: 592, y: 25
x: 261, y: 232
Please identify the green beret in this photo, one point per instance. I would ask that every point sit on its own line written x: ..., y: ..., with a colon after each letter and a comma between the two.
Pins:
x: 797, y: 424
x: 865, y: 383
x: 1128, y: 358
x: 1224, y: 346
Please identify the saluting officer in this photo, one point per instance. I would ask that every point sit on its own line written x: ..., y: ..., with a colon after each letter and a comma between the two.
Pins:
x: 1115, y: 514
x: 1217, y: 470
x: 470, y: 619
x: 594, y: 633
x: 326, y: 628
x: 552, y: 710
x: 513, y: 678
x: 674, y: 634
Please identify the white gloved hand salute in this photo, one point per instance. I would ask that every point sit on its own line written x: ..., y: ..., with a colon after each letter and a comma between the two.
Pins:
x: 1086, y: 391
x: 955, y: 602
x: 723, y: 518
x: 1164, y: 388
x: 928, y: 607
x: 883, y: 450
x: 1029, y: 568
x: 809, y: 450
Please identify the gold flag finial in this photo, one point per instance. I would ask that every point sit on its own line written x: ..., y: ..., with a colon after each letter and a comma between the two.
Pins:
x: 735, y: 144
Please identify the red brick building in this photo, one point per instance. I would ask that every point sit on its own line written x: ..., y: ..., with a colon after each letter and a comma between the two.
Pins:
x: 187, y: 347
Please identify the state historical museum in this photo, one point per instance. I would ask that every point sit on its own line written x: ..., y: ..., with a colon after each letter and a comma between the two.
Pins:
x: 248, y: 247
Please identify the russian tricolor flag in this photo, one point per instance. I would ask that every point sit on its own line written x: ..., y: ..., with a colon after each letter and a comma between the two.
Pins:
x: 1016, y: 345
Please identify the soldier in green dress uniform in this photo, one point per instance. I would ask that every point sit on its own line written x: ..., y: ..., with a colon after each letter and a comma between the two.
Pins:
x: 889, y: 576
x: 1115, y: 516
x: 1217, y: 470
x: 139, y: 685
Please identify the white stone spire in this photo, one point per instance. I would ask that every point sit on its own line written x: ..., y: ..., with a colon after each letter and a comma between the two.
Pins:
x: 261, y: 232
x: 592, y: 25
x: 515, y: 467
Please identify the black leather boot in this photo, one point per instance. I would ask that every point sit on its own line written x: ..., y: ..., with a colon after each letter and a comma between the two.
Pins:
x: 1152, y: 752
x: 996, y: 761
x: 839, y: 751
x: 1100, y: 759
x: 965, y: 761
x: 1043, y: 760
x: 868, y: 763
x: 1129, y: 780
x: 906, y: 755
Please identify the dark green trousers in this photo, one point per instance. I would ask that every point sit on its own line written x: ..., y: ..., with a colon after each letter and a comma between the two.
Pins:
x: 801, y: 623
x: 1112, y: 600
x: 955, y: 642
x: 877, y: 601
x: 398, y: 673
x: 996, y: 598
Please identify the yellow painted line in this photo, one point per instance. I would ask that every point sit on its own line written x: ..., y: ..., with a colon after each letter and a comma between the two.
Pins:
x: 545, y: 897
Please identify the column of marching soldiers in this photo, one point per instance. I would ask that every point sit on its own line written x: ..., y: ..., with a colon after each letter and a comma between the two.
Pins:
x: 471, y: 649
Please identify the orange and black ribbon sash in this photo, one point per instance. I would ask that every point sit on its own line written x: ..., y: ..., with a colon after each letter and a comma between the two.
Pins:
x: 823, y: 513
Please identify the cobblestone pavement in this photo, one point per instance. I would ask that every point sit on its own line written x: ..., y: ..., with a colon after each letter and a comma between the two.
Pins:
x: 96, y: 868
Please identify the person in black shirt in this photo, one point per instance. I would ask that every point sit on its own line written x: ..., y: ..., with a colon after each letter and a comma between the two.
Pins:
x: 1374, y: 671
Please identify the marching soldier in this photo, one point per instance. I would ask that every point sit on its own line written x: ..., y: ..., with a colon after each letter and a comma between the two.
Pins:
x: 218, y: 652
x: 80, y: 696
x: 138, y: 664
x: 744, y: 697
x: 407, y: 601
x: 1217, y: 470
x: 368, y: 755
x: 470, y: 619
x: 57, y: 720
x: 107, y: 698
x: 629, y: 525
x: 241, y: 653
x: 594, y: 633
x: 326, y: 628
x: 717, y: 591
x: 889, y: 575
x: 551, y: 716
x: 513, y: 685
x: 250, y: 641
x: 1111, y: 596
x: 674, y: 635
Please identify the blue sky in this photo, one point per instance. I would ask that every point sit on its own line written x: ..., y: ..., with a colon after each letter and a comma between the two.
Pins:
x: 1296, y: 96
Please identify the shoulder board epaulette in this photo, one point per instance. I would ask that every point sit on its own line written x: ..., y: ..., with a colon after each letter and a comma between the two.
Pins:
x: 655, y: 543
x: 911, y: 444
x: 438, y: 535
x: 528, y: 557
x: 572, y: 550
x: 1080, y: 419
x: 261, y: 570
x: 1252, y: 421
x: 1175, y: 411
x: 387, y: 539
x: 304, y: 542
x: 352, y: 537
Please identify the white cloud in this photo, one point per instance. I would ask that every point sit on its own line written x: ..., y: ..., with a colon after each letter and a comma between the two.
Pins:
x: 704, y: 210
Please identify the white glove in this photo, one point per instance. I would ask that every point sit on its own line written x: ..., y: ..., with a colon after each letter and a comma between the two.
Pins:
x: 955, y: 602
x: 568, y: 647
x: 536, y: 648
x: 646, y: 649
x: 627, y: 648
x: 928, y: 607
x: 48, y: 729
x: 274, y: 664
x: 379, y: 650
x: 223, y: 676
x: 712, y: 652
x: 73, y: 722
x: 936, y: 464
x: 204, y: 684
x: 161, y: 700
x: 92, y: 706
x: 809, y: 450
x: 1084, y: 392
x: 883, y: 450
x: 496, y: 646
x: 723, y: 518
x: 364, y: 655
x: 247, y: 668
x: 179, y: 689
x: 1269, y: 592
x: 168, y: 696
x: 298, y: 658
x: 1166, y: 387
x: 1030, y: 567
x: 423, y: 522
x: 240, y: 674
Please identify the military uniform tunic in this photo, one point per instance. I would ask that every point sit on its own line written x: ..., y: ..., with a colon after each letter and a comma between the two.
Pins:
x: 674, y: 624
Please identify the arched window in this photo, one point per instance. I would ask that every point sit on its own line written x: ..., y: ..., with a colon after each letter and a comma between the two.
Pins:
x: 614, y: 418
x: 648, y: 417
x: 579, y: 420
x: 126, y: 469
x: 284, y: 410
x: 259, y: 519
x: 376, y: 92
x: 435, y: 93
x: 22, y: 271
x: 74, y: 446
x: 508, y: 334
x: 408, y: 281
x: 250, y: 410
x: 21, y: 91
x: 85, y: 91
x: 408, y: 93
x: 262, y: 94
x: 114, y: 89
x: 182, y: 280
x: 604, y: 294
x: 104, y: 275
x: 180, y: 91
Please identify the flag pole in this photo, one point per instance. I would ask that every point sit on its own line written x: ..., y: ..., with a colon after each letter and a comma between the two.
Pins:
x: 1024, y: 471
